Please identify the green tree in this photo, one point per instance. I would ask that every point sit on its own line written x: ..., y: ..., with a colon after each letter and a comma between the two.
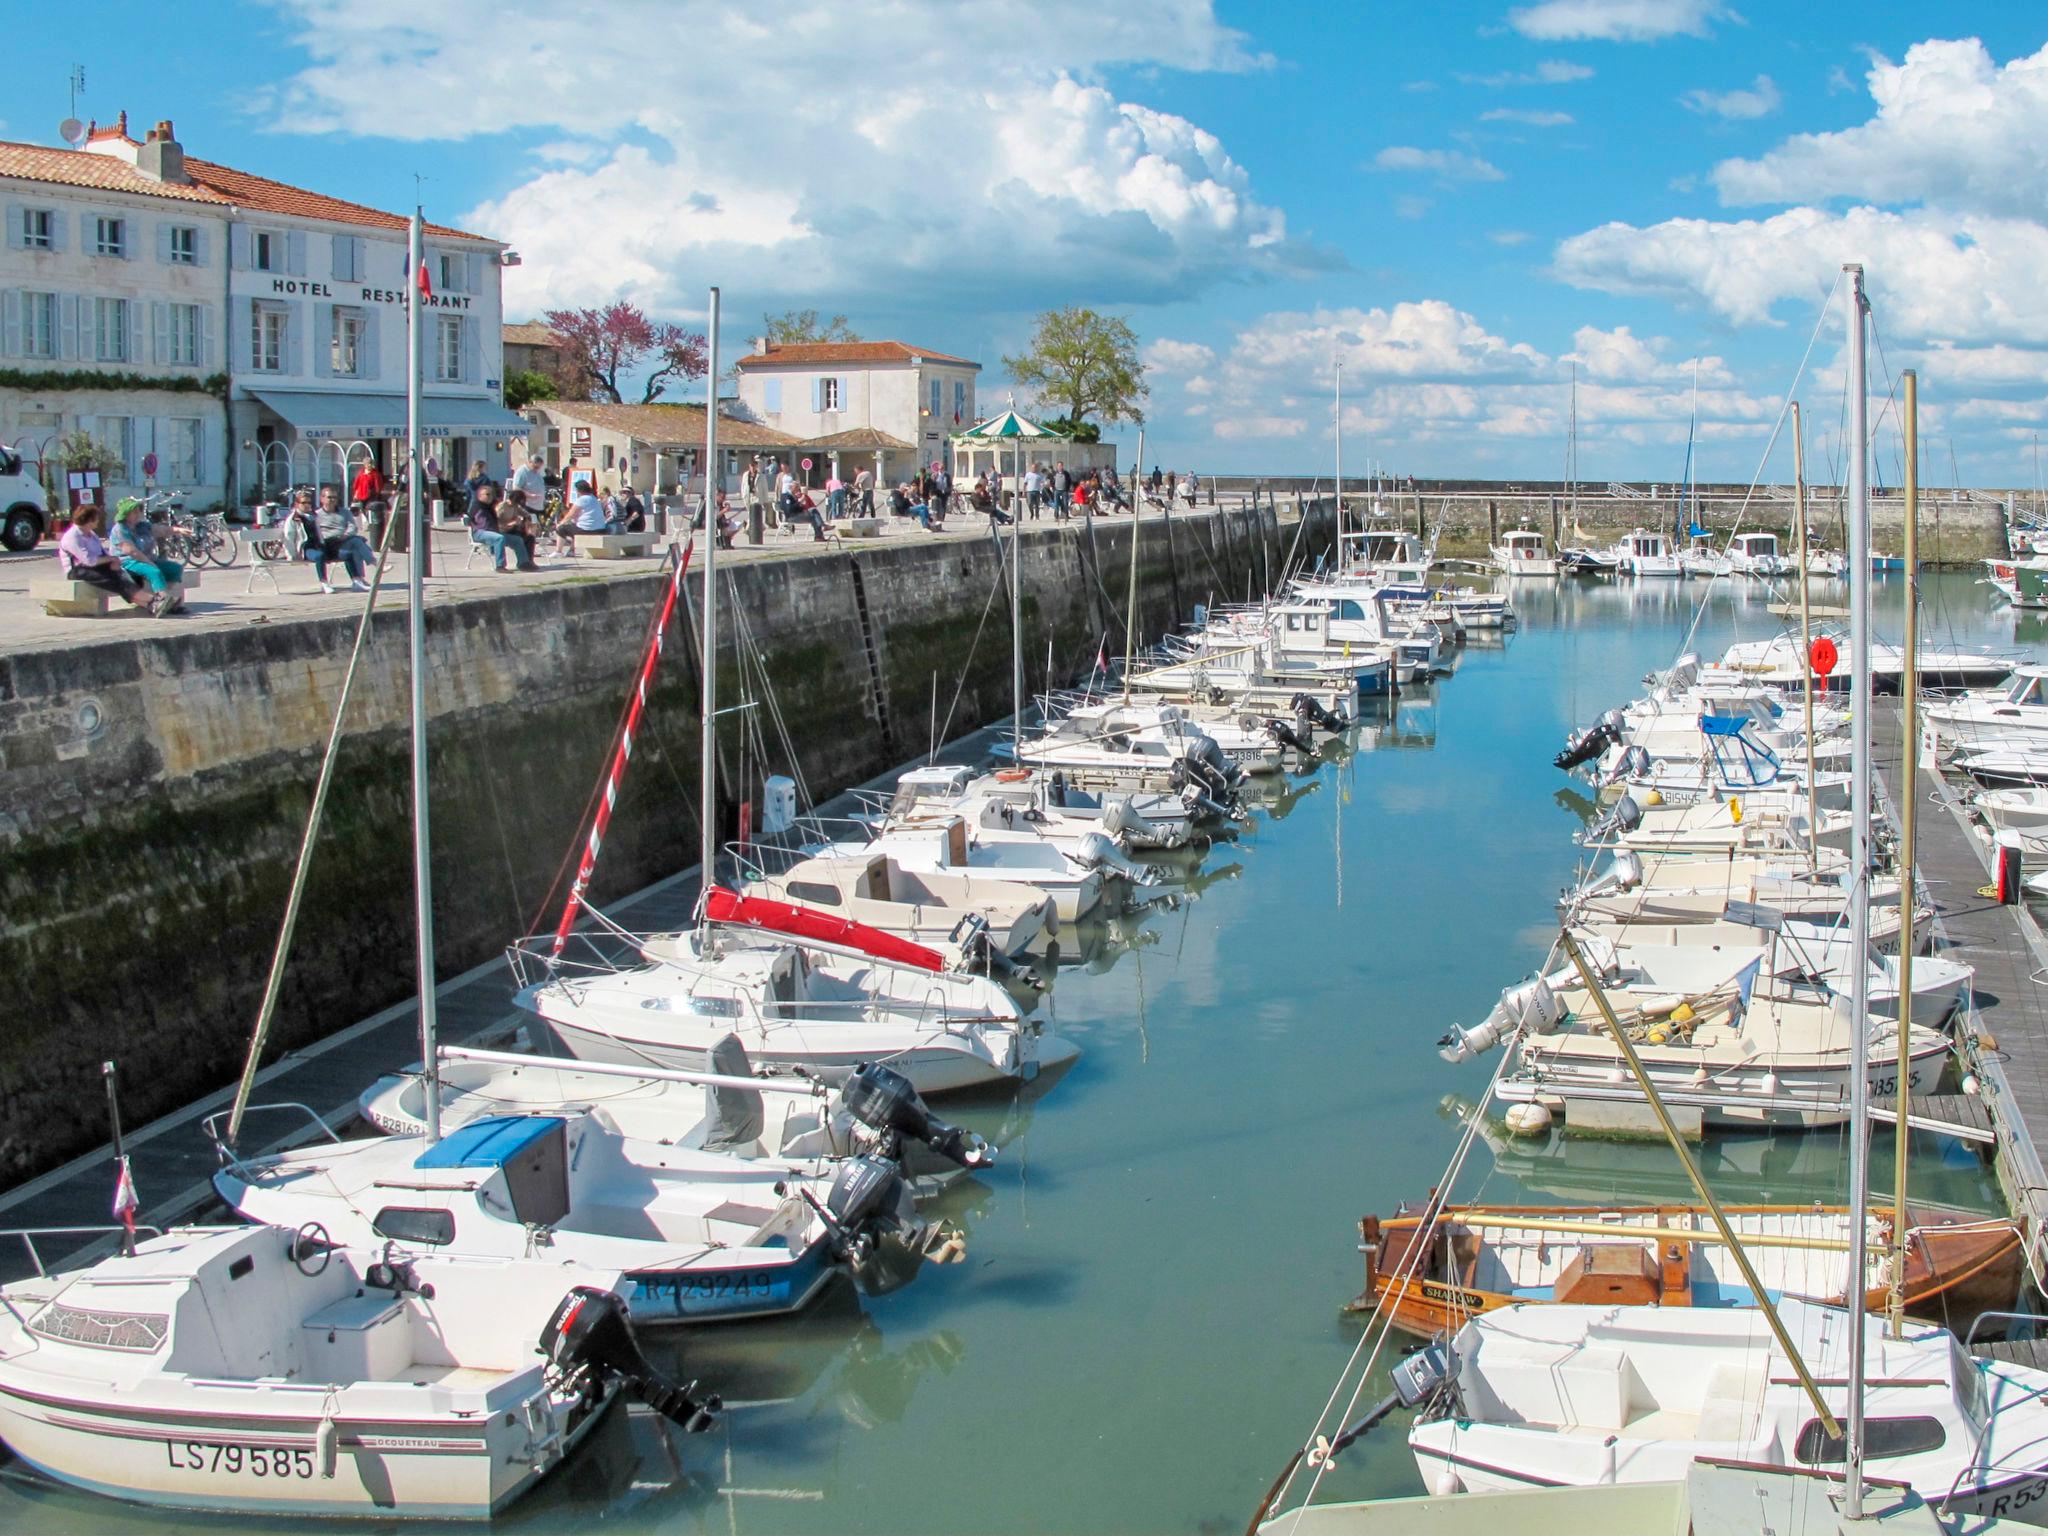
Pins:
x: 1084, y: 363
x: 793, y: 327
x: 527, y: 386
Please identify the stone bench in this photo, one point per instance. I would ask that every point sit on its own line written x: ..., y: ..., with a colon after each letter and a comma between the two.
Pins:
x: 614, y: 546
x: 64, y: 598
x: 857, y: 527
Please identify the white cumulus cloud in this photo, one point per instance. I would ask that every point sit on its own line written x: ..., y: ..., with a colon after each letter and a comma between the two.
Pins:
x: 828, y: 156
x: 1617, y: 21
x: 1168, y: 356
x: 1760, y: 99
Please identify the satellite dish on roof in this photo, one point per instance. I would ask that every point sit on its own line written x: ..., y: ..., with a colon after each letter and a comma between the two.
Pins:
x: 71, y: 131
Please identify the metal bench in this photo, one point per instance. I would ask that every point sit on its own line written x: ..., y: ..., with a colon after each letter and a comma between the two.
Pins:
x: 64, y: 598
x: 614, y: 546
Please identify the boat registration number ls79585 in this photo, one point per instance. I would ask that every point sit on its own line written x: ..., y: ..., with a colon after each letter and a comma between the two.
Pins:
x: 257, y: 1460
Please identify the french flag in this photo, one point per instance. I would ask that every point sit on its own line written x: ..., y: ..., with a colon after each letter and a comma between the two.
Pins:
x: 426, y: 283
x: 125, y: 1202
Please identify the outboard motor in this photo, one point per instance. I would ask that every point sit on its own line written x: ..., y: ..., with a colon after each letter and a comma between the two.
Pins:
x: 1056, y: 788
x: 1209, y: 755
x: 1100, y: 851
x: 1634, y: 763
x: 1586, y: 745
x: 1306, y: 708
x: 590, y: 1336
x: 883, y: 1100
x: 876, y: 1231
x: 1418, y: 1378
x: 1530, y: 1006
x: 1287, y: 736
x: 1626, y: 816
x: 979, y: 952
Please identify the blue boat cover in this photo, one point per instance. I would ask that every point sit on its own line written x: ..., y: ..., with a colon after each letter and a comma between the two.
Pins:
x: 487, y: 1143
x: 1722, y: 725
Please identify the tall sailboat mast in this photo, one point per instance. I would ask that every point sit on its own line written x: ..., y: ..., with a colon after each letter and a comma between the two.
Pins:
x: 1909, y: 798
x: 1860, y: 852
x: 1340, y: 466
x: 1805, y: 629
x: 421, y: 530
x: 707, y: 651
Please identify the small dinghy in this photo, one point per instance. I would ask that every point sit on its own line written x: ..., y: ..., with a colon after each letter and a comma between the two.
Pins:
x: 254, y: 1370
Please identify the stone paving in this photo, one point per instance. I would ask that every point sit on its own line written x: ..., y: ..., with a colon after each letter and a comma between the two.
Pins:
x: 226, y: 599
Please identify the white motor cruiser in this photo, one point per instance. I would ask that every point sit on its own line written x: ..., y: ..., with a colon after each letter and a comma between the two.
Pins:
x: 1523, y: 552
x: 1018, y: 804
x: 1781, y: 662
x: 258, y: 1370
x: 1145, y: 742
x: 2015, y: 715
x: 1576, y: 1395
x: 1756, y: 553
x: 1644, y: 553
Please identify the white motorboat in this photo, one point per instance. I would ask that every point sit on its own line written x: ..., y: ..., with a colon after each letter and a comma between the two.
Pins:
x: 1781, y: 662
x: 1756, y: 553
x: 1385, y: 553
x: 2013, y: 715
x: 2016, y: 764
x: 1827, y: 564
x: 258, y: 1370
x: 1756, y: 821
x: 2023, y: 583
x: 1644, y: 553
x: 1017, y: 802
x: 794, y: 1006
x: 2019, y: 810
x: 1145, y: 742
x: 938, y: 848
x: 1702, y: 561
x: 1523, y: 552
x: 1578, y: 1395
x: 1728, y: 1057
x: 695, y: 1235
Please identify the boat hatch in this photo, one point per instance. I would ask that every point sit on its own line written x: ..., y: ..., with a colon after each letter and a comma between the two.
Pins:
x: 531, y: 1149
x: 140, y: 1332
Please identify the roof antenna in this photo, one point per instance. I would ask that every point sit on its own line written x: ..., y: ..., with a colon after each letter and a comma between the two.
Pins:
x: 71, y: 130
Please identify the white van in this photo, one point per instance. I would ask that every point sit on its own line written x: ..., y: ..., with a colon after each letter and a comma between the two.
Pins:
x: 24, y: 510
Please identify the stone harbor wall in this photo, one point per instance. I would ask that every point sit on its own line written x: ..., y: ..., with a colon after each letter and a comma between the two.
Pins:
x: 153, y: 790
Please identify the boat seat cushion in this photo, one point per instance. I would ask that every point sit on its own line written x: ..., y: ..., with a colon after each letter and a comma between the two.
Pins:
x: 1733, y: 1398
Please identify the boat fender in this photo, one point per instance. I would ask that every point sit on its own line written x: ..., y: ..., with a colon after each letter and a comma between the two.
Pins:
x: 1652, y: 798
x: 327, y: 1445
x: 1447, y: 1482
x: 1528, y: 1119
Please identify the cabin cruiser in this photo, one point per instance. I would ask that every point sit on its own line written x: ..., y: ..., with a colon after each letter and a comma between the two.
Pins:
x: 1349, y: 617
x: 1728, y: 1056
x: 1702, y: 561
x: 695, y: 1235
x: 1756, y: 554
x: 1145, y: 741
x: 261, y: 1370
x: 2011, y: 716
x: 805, y: 987
x: 1598, y: 1394
x: 1636, y: 888
x: 1643, y: 553
x: 1757, y: 821
x: 1780, y: 661
x: 1386, y: 554
x: 2023, y: 583
x: 1045, y: 805
x: 1522, y: 552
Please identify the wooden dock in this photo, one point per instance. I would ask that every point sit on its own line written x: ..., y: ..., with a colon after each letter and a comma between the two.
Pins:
x: 2003, y: 1034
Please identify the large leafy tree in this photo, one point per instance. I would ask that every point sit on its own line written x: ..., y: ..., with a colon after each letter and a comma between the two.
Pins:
x: 1084, y: 363
x: 529, y: 385
x: 795, y: 326
x: 601, y: 346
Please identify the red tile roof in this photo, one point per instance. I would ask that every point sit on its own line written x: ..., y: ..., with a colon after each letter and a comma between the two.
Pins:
x: 848, y: 352
x: 215, y: 184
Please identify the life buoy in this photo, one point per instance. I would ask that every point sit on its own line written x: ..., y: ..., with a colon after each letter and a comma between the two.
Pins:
x: 1012, y: 775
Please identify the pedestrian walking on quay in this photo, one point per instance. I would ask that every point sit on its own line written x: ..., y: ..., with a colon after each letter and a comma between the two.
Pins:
x: 864, y: 492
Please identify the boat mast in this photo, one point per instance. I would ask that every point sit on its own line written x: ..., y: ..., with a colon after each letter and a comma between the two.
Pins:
x: 1805, y: 630
x: 1858, y: 517
x: 416, y: 651
x: 1340, y: 468
x: 1909, y: 796
x: 1016, y: 608
x: 707, y: 650
x: 1571, y: 454
x: 1131, y: 596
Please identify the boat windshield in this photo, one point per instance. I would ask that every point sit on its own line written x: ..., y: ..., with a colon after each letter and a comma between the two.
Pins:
x: 2024, y: 689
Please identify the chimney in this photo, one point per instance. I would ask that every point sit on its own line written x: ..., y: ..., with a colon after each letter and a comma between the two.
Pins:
x: 161, y: 157
x: 760, y: 346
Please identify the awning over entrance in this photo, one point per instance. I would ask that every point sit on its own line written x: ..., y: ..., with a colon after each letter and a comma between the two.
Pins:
x: 346, y: 417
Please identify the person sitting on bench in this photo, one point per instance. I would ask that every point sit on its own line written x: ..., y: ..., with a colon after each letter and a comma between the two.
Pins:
x: 334, y: 538
x: 585, y: 514
x: 133, y: 537
x: 82, y: 557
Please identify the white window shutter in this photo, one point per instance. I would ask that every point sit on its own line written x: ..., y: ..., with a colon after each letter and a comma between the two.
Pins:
x: 817, y: 395
x: 771, y: 395
x: 241, y: 324
x: 160, y: 331
x: 238, y: 247
x: 323, y: 340
x: 472, y: 351
x: 845, y: 398
x: 131, y: 343
x: 67, y: 325
x: 60, y: 239
x: 163, y: 243
x: 476, y: 272
x: 17, y: 226
x: 295, y: 257
x: 198, y: 246
x: 359, y: 257
x: 294, y: 341
x: 128, y: 240
x: 366, y: 343
x: 10, y: 323
x: 343, y: 258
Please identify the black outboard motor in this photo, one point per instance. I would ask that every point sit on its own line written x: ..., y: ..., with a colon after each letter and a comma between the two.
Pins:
x: 1287, y: 736
x: 591, y: 1335
x: 883, y: 1100
x: 1586, y: 745
x: 1056, y: 788
x: 1306, y: 708
x: 875, y: 1228
x: 1208, y: 754
x: 979, y: 952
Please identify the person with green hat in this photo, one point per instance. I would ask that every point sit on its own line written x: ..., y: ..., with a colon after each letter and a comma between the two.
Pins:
x: 134, y: 544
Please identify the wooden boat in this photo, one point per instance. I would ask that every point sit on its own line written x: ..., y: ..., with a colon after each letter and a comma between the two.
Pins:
x: 1476, y: 1258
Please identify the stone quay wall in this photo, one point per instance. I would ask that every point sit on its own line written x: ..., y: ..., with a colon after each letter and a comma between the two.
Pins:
x: 153, y: 791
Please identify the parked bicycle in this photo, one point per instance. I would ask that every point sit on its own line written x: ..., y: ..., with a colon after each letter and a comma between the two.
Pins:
x: 191, y: 537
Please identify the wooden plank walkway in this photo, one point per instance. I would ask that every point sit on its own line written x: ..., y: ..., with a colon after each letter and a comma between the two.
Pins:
x: 172, y: 1159
x: 2004, y: 1033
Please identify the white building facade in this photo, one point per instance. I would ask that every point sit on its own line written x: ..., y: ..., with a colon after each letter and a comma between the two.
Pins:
x: 821, y: 391
x: 252, y: 334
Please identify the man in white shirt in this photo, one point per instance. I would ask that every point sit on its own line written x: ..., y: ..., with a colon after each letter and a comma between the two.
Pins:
x: 531, y: 479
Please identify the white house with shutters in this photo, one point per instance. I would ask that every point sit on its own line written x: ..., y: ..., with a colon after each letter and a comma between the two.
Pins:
x: 252, y: 333
x: 876, y: 399
x: 112, y: 272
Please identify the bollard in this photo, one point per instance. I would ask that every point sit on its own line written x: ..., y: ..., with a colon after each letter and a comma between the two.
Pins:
x: 2005, y: 863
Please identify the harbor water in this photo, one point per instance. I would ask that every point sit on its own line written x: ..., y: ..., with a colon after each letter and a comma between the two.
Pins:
x: 1149, y: 1316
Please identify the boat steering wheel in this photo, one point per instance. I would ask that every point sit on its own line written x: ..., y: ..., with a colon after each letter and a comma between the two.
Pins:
x: 310, y: 1243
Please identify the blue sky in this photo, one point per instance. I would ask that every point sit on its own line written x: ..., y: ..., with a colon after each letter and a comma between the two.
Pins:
x: 1460, y: 201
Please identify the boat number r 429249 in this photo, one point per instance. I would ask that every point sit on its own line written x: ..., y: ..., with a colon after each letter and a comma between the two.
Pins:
x: 256, y: 1460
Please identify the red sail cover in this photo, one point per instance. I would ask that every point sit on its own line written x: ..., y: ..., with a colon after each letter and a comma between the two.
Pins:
x: 724, y: 906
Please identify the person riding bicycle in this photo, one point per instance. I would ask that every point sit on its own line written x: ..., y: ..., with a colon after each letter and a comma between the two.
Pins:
x: 133, y: 539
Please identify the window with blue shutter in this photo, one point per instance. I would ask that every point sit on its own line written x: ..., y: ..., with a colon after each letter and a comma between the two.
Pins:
x: 959, y: 399
x: 771, y: 395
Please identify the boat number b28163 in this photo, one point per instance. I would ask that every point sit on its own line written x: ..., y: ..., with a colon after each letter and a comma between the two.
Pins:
x: 256, y: 1460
